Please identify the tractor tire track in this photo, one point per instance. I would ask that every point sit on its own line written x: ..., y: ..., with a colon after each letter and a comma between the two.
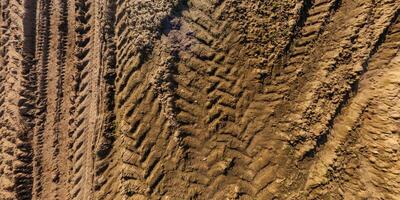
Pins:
x: 199, y: 99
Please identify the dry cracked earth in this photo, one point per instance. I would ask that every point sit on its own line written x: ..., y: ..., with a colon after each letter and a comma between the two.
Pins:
x: 200, y: 99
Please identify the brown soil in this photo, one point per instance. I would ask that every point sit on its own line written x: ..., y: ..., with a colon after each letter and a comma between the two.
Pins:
x: 199, y: 99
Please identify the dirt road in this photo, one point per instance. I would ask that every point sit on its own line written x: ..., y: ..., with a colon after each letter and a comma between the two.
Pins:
x: 199, y: 99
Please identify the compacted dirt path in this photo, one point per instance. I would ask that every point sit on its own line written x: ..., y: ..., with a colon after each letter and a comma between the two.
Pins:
x: 199, y: 99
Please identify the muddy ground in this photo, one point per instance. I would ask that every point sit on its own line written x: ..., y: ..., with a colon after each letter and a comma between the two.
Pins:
x: 199, y: 99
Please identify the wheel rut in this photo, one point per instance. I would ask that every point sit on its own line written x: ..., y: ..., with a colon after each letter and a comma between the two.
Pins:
x: 199, y: 99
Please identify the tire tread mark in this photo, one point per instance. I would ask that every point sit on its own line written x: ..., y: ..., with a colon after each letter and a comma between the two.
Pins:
x: 104, y: 144
x: 357, y: 108
x: 353, y: 85
x: 16, y: 107
x: 80, y: 131
x: 142, y: 101
x: 61, y: 33
x: 42, y: 57
x: 220, y: 92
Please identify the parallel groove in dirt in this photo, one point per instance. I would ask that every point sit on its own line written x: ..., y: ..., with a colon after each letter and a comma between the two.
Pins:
x: 359, y: 71
x: 297, y: 27
x: 42, y: 57
x: 26, y: 103
x: 376, y: 46
x: 6, y: 169
x: 82, y: 132
x: 361, y: 103
x: 199, y: 99
x: 15, y: 105
x: 62, y: 32
x: 104, y: 144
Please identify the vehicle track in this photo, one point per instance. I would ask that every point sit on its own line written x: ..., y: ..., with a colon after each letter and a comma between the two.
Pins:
x: 199, y: 99
x: 83, y: 132
x: 358, y: 123
x: 16, y: 108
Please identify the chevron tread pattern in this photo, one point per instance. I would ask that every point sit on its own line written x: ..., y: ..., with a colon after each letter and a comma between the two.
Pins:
x: 199, y: 99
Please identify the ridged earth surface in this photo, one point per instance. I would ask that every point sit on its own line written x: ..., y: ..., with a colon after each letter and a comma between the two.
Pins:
x: 199, y: 99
